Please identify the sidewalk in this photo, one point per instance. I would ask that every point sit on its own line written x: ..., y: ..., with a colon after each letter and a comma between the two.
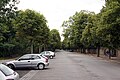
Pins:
x: 102, y: 56
x: 113, y: 59
x: 2, y: 61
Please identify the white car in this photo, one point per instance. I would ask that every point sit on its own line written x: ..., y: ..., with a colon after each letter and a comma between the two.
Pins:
x: 8, y: 74
x: 2, y: 76
x: 48, y: 54
x: 29, y: 60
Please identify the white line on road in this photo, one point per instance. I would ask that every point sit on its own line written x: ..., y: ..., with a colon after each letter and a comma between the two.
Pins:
x: 29, y: 75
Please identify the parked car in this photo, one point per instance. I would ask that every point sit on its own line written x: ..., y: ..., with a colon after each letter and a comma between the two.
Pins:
x: 8, y: 74
x: 48, y: 54
x: 2, y: 76
x: 29, y: 60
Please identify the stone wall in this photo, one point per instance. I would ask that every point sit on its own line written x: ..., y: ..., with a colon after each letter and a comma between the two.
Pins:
x: 102, y: 53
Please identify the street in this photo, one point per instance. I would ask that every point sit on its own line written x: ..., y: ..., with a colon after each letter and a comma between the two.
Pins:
x: 84, y: 34
x: 69, y: 66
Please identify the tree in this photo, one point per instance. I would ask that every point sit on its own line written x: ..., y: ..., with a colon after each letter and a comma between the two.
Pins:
x: 7, y: 14
x: 109, y: 28
x: 55, y: 40
x: 43, y: 39
x: 87, y: 37
x: 75, y: 27
x: 107, y: 25
x: 30, y: 26
x: 7, y: 33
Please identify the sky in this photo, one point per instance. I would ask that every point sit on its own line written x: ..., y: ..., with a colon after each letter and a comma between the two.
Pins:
x: 57, y: 11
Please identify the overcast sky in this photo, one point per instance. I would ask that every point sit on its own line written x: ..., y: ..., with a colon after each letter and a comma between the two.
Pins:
x: 57, y: 11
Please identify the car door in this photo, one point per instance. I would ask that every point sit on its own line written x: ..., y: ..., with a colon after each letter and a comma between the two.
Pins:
x: 47, y: 54
x: 35, y: 59
x: 24, y: 61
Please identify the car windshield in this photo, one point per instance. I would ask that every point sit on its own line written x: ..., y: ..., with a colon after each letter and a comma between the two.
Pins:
x: 7, y: 71
x: 42, y: 53
x: 2, y: 77
x: 35, y: 57
x: 27, y: 56
x: 43, y: 56
x: 47, y: 52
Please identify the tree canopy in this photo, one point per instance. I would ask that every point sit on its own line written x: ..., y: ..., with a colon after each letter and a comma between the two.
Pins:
x: 89, y: 30
x: 55, y: 41
x: 31, y: 26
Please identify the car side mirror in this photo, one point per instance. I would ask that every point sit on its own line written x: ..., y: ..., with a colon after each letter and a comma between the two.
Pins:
x: 19, y: 59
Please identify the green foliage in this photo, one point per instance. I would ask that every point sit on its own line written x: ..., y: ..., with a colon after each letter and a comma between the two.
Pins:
x: 7, y: 33
x: 88, y: 34
x: 20, y: 29
x: 55, y: 40
x: 75, y: 31
x: 31, y: 26
x: 86, y: 29
x: 109, y: 28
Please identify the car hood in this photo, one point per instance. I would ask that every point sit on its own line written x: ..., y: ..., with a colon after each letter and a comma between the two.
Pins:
x: 52, y: 53
x: 14, y: 76
x: 10, y: 62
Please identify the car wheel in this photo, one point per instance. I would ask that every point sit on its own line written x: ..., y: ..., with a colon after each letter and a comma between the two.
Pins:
x: 51, y: 57
x: 41, y: 66
x: 11, y: 66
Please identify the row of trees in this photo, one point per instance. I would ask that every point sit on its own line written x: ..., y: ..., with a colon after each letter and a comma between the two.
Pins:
x: 86, y: 30
x: 24, y: 31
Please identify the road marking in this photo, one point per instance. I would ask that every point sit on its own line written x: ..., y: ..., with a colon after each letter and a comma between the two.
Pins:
x: 29, y: 75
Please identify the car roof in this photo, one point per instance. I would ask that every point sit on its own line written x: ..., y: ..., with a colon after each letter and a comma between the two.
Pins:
x: 32, y: 54
x: 47, y: 51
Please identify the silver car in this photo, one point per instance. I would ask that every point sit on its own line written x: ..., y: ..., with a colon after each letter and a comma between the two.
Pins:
x: 29, y: 60
x: 48, y: 54
x: 8, y: 74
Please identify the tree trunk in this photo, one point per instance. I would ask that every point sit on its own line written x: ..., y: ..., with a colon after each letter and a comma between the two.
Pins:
x: 84, y: 50
x: 80, y: 50
x: 98, y: 53
x: 31, y: 46
x: 39, y: 48
x: 109, y: 54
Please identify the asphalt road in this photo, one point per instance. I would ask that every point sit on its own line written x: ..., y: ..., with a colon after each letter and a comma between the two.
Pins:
x: 69, y: 66
x: 22, y: 72
x: 74, y: 66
